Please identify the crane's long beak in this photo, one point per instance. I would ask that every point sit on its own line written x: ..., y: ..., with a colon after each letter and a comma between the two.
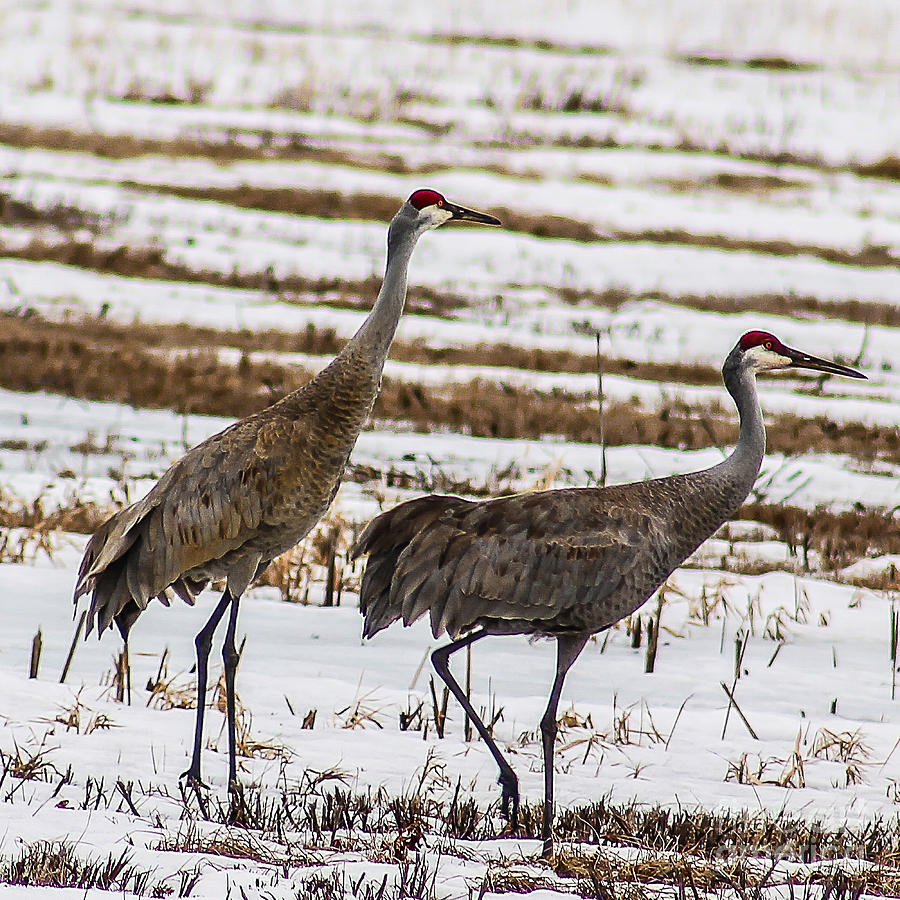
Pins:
x: 461, y: 214
x: 800, y: 360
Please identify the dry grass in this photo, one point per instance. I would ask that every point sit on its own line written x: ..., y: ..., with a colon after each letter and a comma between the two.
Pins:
x: 655, y: 875
x: 325, y: 342
x: 846, y: 747
x: 151, y: 262
x: 246, y: 745
x: 840, y: 538
x: 19, y: 545
x: 323, y: 811
x: 27, y: 530
x: 722, y: 864
x: 59, y: 215
x: 431, y: 478
x: 291, y: 574
x: 166, y: 691
x: 773, y: 63
x: 753, y: 769
x: 236, y: 845
x: 413, y: 878
x: 733, y: 182
x: 888, y: 167
x: 79, y: 516
x: 721, y: 835
x: 111, y: 364
x: 319, y: 204
x: 39, y: 356
x: 361, y: 713
x: 31, y: 763
x: 689, y: 849
x: 231, y: 145
x: 57, y: 864
x: 335, y: 205
x: 21, y: 540
x: 804, y: 306
x: 733, y: 855
x: 488, y: 409
x: 81, y: 719
x: 602, y: 875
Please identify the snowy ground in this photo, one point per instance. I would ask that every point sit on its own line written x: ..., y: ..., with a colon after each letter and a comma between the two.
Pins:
x: 716, y: 152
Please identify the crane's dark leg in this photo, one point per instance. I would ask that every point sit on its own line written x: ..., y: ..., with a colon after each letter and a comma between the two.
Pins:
x: 567, y: 649
x: 230, y: 658
x: 203, y: 643
x: 127, y: 670
x: 508, y: 780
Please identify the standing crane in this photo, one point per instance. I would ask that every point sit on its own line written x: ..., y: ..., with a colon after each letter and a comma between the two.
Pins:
x: 237, y: 500
x: 565, y: 563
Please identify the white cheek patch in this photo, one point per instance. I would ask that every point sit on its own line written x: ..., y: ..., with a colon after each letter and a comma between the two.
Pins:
x: 769, y: 359
x: 440, y: 215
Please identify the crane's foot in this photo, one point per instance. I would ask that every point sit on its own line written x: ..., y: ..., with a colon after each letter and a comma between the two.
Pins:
x: 509, y: 803
x: 237, y: 806
x: 192, y: 777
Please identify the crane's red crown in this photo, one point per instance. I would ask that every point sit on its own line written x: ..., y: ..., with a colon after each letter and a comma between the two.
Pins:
x: 757, y: 338
x: 426, y: 197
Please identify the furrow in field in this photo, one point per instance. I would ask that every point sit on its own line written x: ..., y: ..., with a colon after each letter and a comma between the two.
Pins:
x: 856, y: 228
x: 65, y: 463
x: 39, y: 355
x: 686, y: 332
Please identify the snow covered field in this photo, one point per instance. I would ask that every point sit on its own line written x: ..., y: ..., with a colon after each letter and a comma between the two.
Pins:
x: 673, y: 173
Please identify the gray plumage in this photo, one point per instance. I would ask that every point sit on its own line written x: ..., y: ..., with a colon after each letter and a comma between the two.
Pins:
x: 545, y: 563
x: 563, y: 563
x: 234, y: 502
x: 243, y: 496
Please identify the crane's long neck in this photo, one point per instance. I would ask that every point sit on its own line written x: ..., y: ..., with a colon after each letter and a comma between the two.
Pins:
x: 344, y: 392
x: 376, y: 333
x: 736, y: 475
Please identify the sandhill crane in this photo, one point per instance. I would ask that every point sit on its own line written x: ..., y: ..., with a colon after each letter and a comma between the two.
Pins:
x: 251, y: 492
x: 564, y: 563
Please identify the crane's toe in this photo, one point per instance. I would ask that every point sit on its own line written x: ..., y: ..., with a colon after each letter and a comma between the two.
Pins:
x: 238, y: 814
x: 193, y: 779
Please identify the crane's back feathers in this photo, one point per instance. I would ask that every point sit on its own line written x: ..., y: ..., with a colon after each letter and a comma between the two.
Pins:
x: 551, y: 562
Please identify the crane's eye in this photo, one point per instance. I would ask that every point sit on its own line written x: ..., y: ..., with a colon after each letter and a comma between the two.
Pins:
x: 768, y: 345
x: 440, y: 203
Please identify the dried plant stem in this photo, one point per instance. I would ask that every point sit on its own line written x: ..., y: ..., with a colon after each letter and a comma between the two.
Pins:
x: 677, y: 717
x: 652, y: 639
x: 126, y: 795
x: 636, y: 627
x: 71, y: 654
x: 895, y: 622
x: 331, y: 570
x: 122, y: 677
x: 440, y: 710
x: 740, y: 646
x: 653, y: 634
x: 36, y: 647
x: 419, y: 668
x: 602, y: 434
x: 733, y: 702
